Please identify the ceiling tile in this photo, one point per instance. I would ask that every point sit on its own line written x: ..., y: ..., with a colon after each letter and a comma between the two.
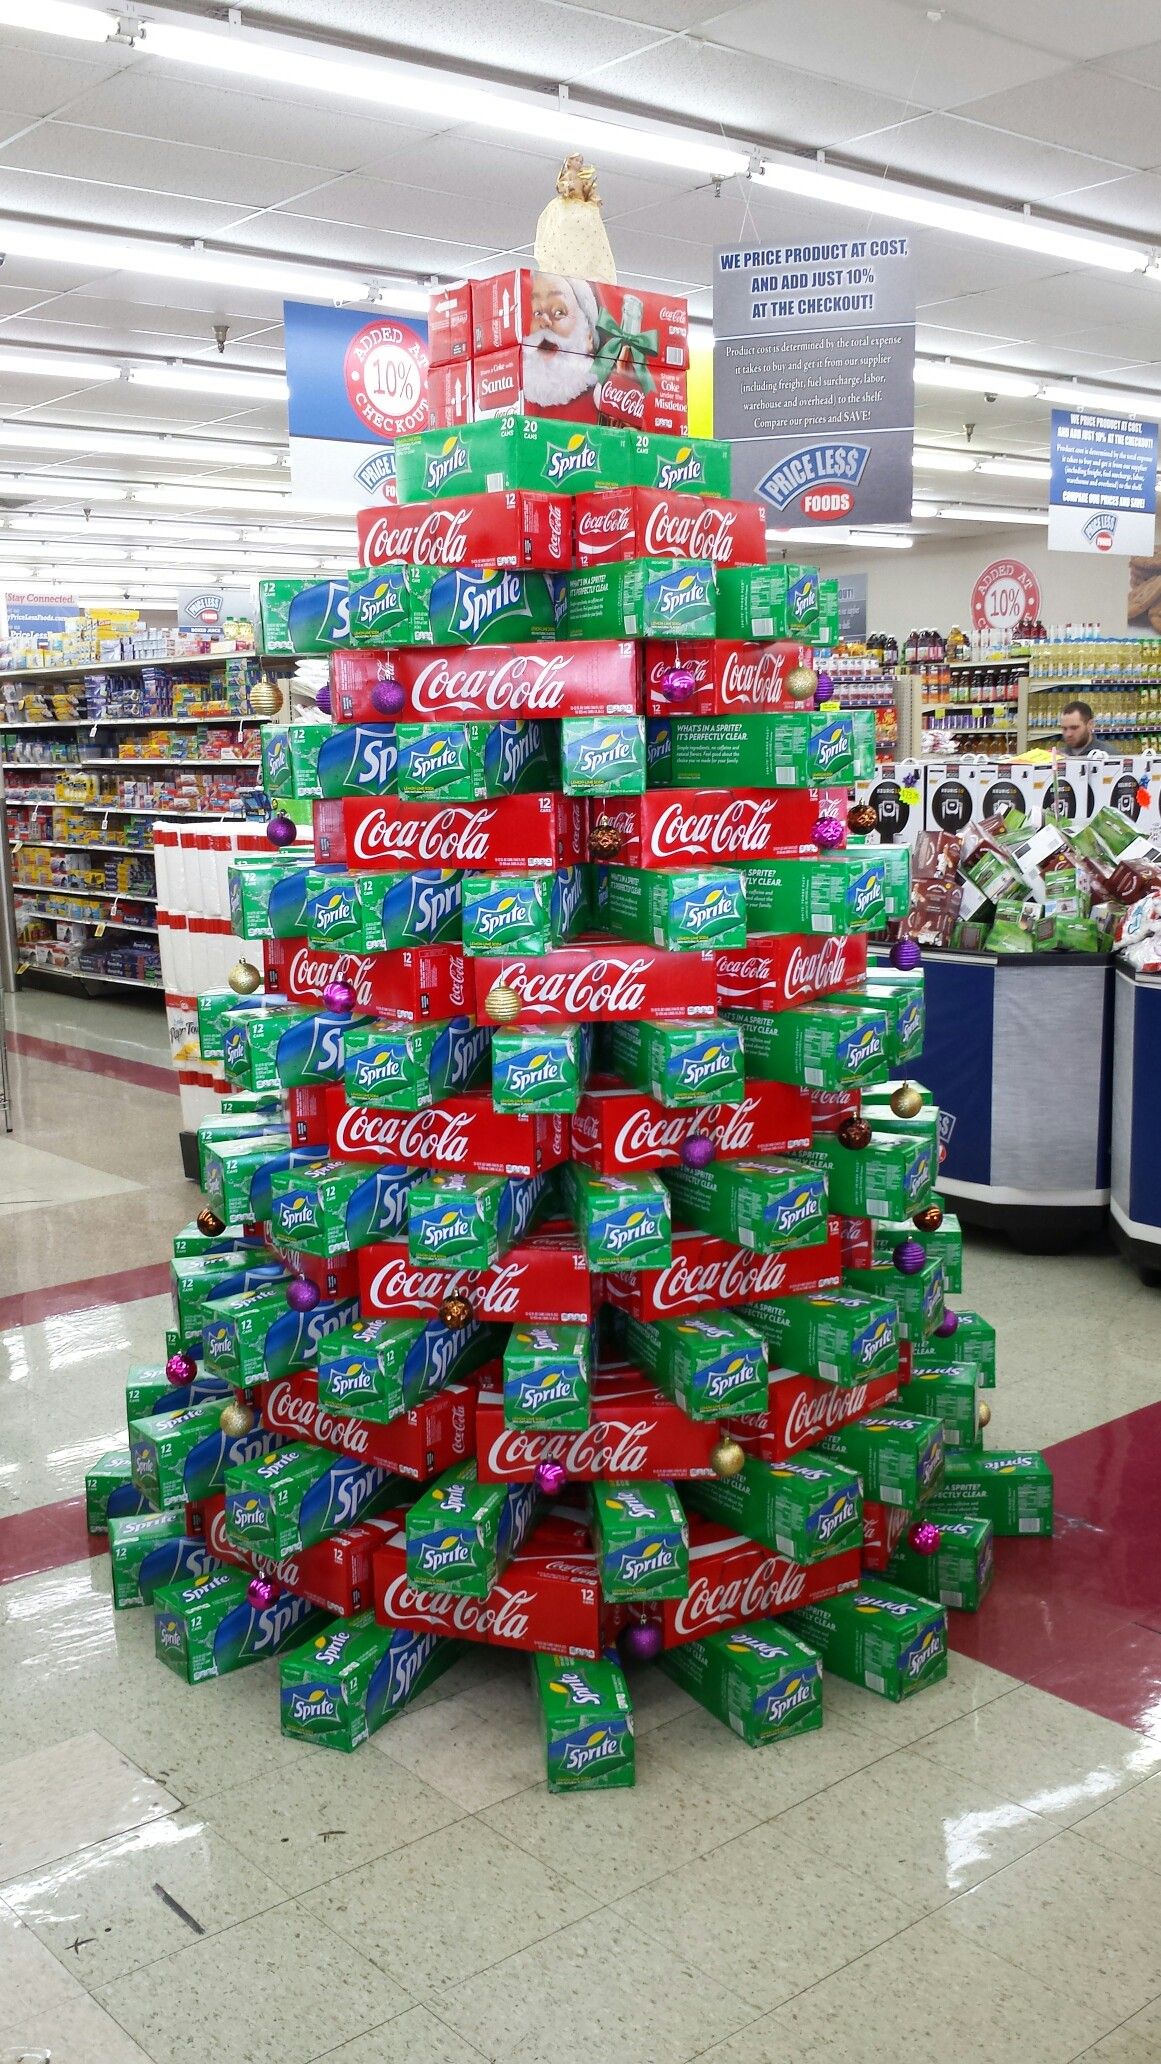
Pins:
x: 367, y: 250
x: 39, y: 75
x: 110, y: 158
x: 1077, y: 28
x: 554, y: 41
x: 751, y: 96
x: 966, y: 153
x: 79, y: 202
x: 880, y: 45
x: 1142, y: 63
x: 414, y: 211
x: 193, y: 108
x: 1133, y: 202
x: 1081, y: 109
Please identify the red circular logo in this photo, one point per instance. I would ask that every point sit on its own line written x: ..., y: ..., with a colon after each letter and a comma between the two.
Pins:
x: 1004, y: 593
x: 385, y: 370
x: 827, y: 504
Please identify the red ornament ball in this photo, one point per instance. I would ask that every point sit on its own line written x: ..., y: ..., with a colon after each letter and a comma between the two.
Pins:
x: 925, y: 1537
x: 855, y: 1134
x: 551, y: 1478
x: 455, y: 1311
x: 862, y: 818
x: 929, y: 1219
x: 605, y: 840
x: 209, y: 1223
x: 181, y: 1368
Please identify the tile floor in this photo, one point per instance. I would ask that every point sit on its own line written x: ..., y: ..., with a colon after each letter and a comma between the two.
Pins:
x: 179, y: 1883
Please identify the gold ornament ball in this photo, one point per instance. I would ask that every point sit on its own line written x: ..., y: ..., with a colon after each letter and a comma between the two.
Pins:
x: 801, y: 683
x: 502, y: 1004
x: 907, y: 1101
x: 455, y: 1311
x: 235, y: 1419
x: 209, y: 1223
x: 244, y: 978
x: 985, y: 1415
x: 727, y: 1457
x: 265, y: 698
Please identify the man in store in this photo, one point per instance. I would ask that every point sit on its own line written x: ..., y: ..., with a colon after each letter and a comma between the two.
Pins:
x: 1076, y: 732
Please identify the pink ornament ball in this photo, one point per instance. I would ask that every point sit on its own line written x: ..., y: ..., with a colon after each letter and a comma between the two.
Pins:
x: 947, y: 1325
x: 698, y: 1150
x: 905, y: 955
x: 678, y: 684
x: 551, y: 1478
x: 909, y: 1257
x: 181, y: 1368
x: 322, y: 700
x: 640, y: 1643
x: 281, y: 830
x: 925, y: 1537
x: 388, y: 698
x: 829, y: 833
x: 262, y: 1591
x: 339, y: 996
x: 302, y: 1294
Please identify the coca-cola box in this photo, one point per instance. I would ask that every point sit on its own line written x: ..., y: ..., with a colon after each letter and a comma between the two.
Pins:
x: 408, y: 985
x: 707, y: 1274
x: 464, y: 1134
x: 514, y: 380
x: 511, y: 307
x: 634, y: 1432
x: 618, y: 1129
x: 733, y: 1579
x: 525, y: 834
x: 448, y: 394
x: 803, y: 1410
x: 730, y: 677
x: 776, y: 971
x: 646, y: 523
x: 602, y: 984
x: 548, y: 1599
x: 419, y: 1444
x: 513, y: 529
x: 334, y: 1574
x: 883, y: 1528
x: 543, y: 1281
x: 598, y: 678
x: 669, y: 827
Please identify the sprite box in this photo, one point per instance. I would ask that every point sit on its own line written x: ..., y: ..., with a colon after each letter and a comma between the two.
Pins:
x: 345, y: 1682
x: 538, y: 1070
x: 130, y: 1541
x: 453, y: 1220
x: 764, y: 1683
x: 213, y: 1005
x: 974, y: 1340
x: 623, y: 1220
x: 237, y: 1174
x: 829, y: 615
x: 250, y: 1103
x: 250, y: 883
x: 901, y: 996
x: 256, y: 1336
x: 177, y: 1560
x: 682, y: 1065
x: 207, y: 1627
x: 792, y: 749
x: 462, y: 762
x: 194, y: 1279
x: 510, y: 451
x: 682, y: 909
x: 143, y: 1387
x: 946, y: 1393
x: 945, y: 1244
x: 602, y: 756
x: 511, y: 913
x: 376, y: 913
x: 588, y: 1723
x: 763, y: 1205
x: 285, y: 1046
x: 815, y: 1045
x: 679, y: 465
x: 757, y: 602
x: 287, y: 899
x: 102, y: 1477
x: 898, y: 1458
x: 805, y: 1509
x: 641, y: 598
x: 642, y: 1541
x: 357, y: 760
x: 339, y: 1205
x: 376, y: 1369
x: 1010, y: 1486
x: 890, y: 1178
x: 438, y: 605
x: 308, y: 614
x: 918, y: 1298
x: 159, y: 1447
x: 878, y: 1636
x: 461, y: 1534
x: 546, y: 1377
x: 290, y: 761
x: 960, y: 1571
x: 285, y: 1501
x: 712, y: 1364
x: 835, y: 893
x: 839, y: 1338
x: 895, y: 862
x: 408, y: 1067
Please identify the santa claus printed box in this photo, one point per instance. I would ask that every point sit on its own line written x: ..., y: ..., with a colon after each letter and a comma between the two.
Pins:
x: 591, y: 317
x: 533, y: 380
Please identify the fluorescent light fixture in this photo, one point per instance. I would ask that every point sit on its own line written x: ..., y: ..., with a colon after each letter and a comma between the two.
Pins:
x: 58, y: 18
x: 921, y: 509
x: 928, y: 459
x: 62, y: 487
x: 196, y: 495
x: 1104, y: 401
x: 194, y: 451
x: 842, y: 534
x: 1017, y: 469
x: 94, y: 249
x: 233, y: 380
x: 966, y: 379
x: 1019, y: 232
x: 974, y: 512
x: 53, y: 365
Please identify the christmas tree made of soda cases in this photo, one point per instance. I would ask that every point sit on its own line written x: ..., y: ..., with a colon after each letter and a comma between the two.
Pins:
x: 572, y: 1276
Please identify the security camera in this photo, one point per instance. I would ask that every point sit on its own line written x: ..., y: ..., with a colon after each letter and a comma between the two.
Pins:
x: 989, y: 397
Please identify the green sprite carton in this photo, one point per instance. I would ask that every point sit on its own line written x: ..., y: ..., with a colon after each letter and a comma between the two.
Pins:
x: 641, y: 598
x: 130, y: 1540
x: 510, y: 451
x: 511, y: 913
x: 237, y: 1173
x: 837, y: 892
x: 143, y: 1387
x: 397, y: 1067
x: 974, y: 1340
x: 1012, y: 1487
x: 547, y: 1376
x: 588, y: 1723
x: 679, y: 465
x: 683, y: 1065
x: 945, y: 1244
x: 806, y: 1509
x: 918, y: 1298
x: 108, y: 1474
x: 682, y: 909
x: 376, y: 913
x: 195, y: 1279
x: 898, y: 1457
x: 344, y: 1683
x: 308, y: 614
x: 250, y: 1103
x: 233, y: 1239
x: 537, y: 1070
x: 290, y: 763
x: 255, y: 1336
x: 829, y: 615
x: 712, y: 1364
x: 437, y: 605
x: 286, y: 1501
x: 764, y: 1683
x: 642, y: 1541
x: 901, y: 996
x: 759, y: 602
x: 461, y: 762
x: 763, y: 1205
x: 207, y: 1627
x: 286, y: 1046
x: 461, y: 1534
x: 602, y: 756
x: 890, y: 1178
x: 792, y: 749
x: 160, y: 1445
x: 337, y: 1206
x: 878, y: 1636
x: 287, y: 901
x: 213, y: 1005
x: 250, y: 882
x: 947, y: 1393
x: 838, y: 1338
x: 815, y: 1045
x: 376, y: 1369
x: 623, y: 1220
x: 453, y: 1220
x: 960, y: 1571
x: 895, y: 862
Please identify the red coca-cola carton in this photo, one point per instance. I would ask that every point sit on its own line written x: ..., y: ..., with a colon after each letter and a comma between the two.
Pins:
x: 634, y: 1432
x: 614, y: 1129
x: 513, y: 529
x: 449, y: 324
x: 526, y: 380
x: 668, y: 826
x: 883, y: 1528
x: 774, y: 972
x: 335, y: 1275
x: 580, y: 316
x: 644, y: 523
x: 803, y: 1410
x: 830, y: 1108
x: 407, y: 985
x: 465, y: 1133
x: 602, y: 984
x: 544, y: 1282
x: 419, y: 1444
x: 858, y: 1243
x: 527, y: 834
x: 548, y: 1599
x: 733, y: 1579
x: 730, y: 677
x: 601, y: 678
x: 306, y: 1115
x: 707, y: 1274
x: 334, y: 1574
x: 449, y: 395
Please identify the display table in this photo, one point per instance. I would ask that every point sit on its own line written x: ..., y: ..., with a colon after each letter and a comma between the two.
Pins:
x: 1019, y: 1059
x: 1135, y: 1201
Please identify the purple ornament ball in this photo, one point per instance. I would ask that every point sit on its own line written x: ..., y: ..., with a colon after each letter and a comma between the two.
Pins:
x: 829, y: 833
x: 281, y: 830
x: 825, y: 688
x: 905, y: 955
x: 339, y: 996
x: 388, y: 698
x: 181, y: 1368
x: 698, y: 1150
x: 261, y: 1592
x: 302, y: 1294
x: 947, y: 1325
x: 551, y: 1478
x: 678, y: 684
x: 925, y: 1537
x: 322, y: 700
x: 909, y: 1257
x: 640, y: 1643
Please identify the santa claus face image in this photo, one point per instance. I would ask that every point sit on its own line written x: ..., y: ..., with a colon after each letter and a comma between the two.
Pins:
x: 558, y: 356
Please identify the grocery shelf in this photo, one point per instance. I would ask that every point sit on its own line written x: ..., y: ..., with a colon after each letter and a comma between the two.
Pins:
x: 35, y: 888
x: 158, y: 720
x: 72, y: 974
x: 111, y: 924
x: 29, y: 838
x: 72, y: 670
x: 141, y: 809
x: 115, y: 766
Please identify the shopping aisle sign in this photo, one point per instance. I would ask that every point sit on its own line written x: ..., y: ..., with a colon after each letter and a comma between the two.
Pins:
x: 358, y: 380
x: 814, y: 377
x: 1103, y: 492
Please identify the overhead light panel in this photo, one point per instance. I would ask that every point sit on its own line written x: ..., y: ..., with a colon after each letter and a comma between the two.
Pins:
x: 928, y: 459
x: 196, y: 495
x: 204, y: 266
x: 1103, y: 401
x: 58, y: 18
x: 62, y: 488
x: 1017, y: 469
x: 233, y: 380
x: 975, y: 512
x: 840, y: 534
x: 127, y: 444
x: 969, y: 379
x: 54, y: 365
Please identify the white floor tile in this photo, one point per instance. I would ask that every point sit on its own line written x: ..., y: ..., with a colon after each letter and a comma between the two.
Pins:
x: 59, y: 1799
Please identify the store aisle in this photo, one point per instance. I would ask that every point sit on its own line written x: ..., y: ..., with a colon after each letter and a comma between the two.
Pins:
x: 178, y: 1883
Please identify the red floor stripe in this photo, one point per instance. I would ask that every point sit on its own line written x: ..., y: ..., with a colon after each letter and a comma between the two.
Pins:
x: 143, y: 1074
x: 28, y: 1307
x: 45, y: 1538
